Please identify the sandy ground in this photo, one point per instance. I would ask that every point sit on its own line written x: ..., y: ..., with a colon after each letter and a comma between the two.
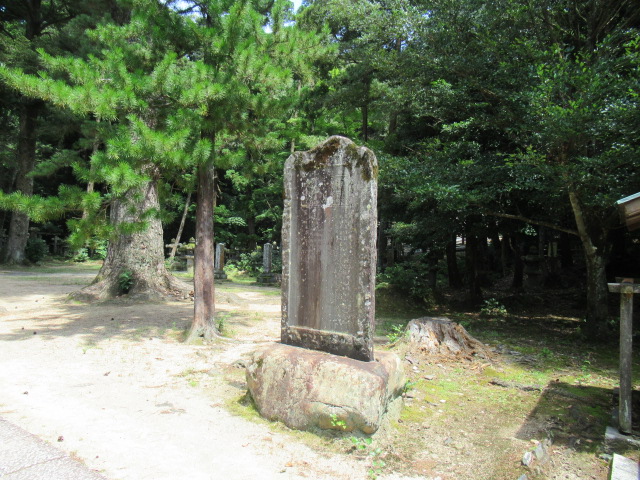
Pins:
x: 112, y: 385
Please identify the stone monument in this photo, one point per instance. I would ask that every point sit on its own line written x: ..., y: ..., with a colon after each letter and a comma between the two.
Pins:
x: 328, y: 300
x: 267, y: 276
x: 329, y: 249
x: 218, y: 263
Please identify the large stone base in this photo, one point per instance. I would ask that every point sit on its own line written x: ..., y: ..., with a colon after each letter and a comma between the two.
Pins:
x: 307, y: 388
x: 269, y: 279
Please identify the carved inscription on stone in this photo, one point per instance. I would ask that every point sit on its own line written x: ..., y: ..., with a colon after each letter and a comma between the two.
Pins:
x: 329, y: 233
x: 267, y: 257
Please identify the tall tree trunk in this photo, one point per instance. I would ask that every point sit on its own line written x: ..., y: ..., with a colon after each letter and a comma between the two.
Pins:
x: 497, y: 264
x: 365, y: 123
x: 251, y: 231
x: 26, y: 155
x: 471, y: 263
x: 518, y: 264
x: 136, y: 251
x: 504, y: 256
x: 597, y: 291
x: 204, y: 325
x: 453, y: 272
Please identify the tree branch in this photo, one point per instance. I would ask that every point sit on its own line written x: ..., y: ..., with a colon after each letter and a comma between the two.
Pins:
x: 532, y: 221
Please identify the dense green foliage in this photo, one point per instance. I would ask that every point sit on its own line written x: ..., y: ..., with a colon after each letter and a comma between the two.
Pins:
x: 515, y: 122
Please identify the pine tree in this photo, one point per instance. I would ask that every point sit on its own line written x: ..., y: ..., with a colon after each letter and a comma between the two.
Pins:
x: 244, y: 85
x: 124, y: 87
x: 209, y: 86
x: 25, y: 26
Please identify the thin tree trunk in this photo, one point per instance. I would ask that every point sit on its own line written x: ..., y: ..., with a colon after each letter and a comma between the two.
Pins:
x: 180, y: 228
x: 203, y: 325
x: 26, y: 154
x: 91, y: 183
x: 471, y: 263
x: 597, y: 292
x: 251, y: 230
x: 497, y: 264
x: 518, y: 264
x: 365, y: 123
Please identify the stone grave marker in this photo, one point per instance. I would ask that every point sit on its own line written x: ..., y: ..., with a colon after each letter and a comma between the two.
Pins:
x: 267, y: 257
x: 267, y: 276
x: 329, y: 249
x: 218, y: 263
x: 328, y: 256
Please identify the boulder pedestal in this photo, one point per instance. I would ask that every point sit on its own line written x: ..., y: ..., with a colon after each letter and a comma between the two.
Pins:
x: 219, y: 275
x: 308, y: 389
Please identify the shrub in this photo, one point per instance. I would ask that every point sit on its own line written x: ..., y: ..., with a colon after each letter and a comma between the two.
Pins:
x: 249, y: 263
x: 99, y: 249
x: 81, y: 255
x: 36, y: 249
x: 411, y: 276
x: 125, y: 281
x: 493, y: 309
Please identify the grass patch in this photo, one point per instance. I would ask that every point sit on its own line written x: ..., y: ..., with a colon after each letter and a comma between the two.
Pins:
x: 183, y: 275
x: 242, y: 278
x: 51, y: 280
x: 57, y: 266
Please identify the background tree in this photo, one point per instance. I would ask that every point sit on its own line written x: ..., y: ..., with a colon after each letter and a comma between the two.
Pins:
x: 26, y: 25
x: 124, y: 87
x: 243, y: 84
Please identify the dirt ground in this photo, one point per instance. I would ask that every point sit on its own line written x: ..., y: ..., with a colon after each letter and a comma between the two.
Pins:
x: 113, y: 385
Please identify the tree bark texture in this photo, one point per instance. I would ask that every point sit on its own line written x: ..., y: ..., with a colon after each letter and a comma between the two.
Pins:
x: 26, y: 156
x: 597, y: 291
x: 204, y: 302
x: 441, y: 336
x: 518, y: 265
x: 474, y: 291
x: 137, y: 254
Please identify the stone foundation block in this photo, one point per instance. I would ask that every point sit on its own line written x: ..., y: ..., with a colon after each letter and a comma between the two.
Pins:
x: 307, y: 388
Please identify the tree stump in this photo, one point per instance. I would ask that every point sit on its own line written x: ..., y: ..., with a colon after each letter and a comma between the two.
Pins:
x: 441, y: 336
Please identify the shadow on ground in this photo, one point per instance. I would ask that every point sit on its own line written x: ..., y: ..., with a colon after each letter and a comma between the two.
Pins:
x: 572, y: 416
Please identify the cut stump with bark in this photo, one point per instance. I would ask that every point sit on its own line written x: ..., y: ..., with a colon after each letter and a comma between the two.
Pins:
x: 440, y: 336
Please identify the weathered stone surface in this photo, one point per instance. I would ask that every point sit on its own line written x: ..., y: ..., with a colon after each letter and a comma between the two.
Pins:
x: 218, y: 263
x: 267, y: 276
x: 623, y: 468
x: 527, y: 459
x: 306, y: 389
x: 328, y: 249
x: 441, y: 336
x: 267, y: 257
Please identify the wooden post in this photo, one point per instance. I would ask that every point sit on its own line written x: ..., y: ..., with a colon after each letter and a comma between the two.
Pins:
x: 626, y: 288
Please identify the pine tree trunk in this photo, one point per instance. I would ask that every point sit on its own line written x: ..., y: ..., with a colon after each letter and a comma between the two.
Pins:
x: 518, y: 264
x: 365, y: 123
x: 204, y: 325
x: 474, y: 291
x: 26, y: 155
x: 138, y: 254
x: 597, y: 291
x: 251, y: 231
